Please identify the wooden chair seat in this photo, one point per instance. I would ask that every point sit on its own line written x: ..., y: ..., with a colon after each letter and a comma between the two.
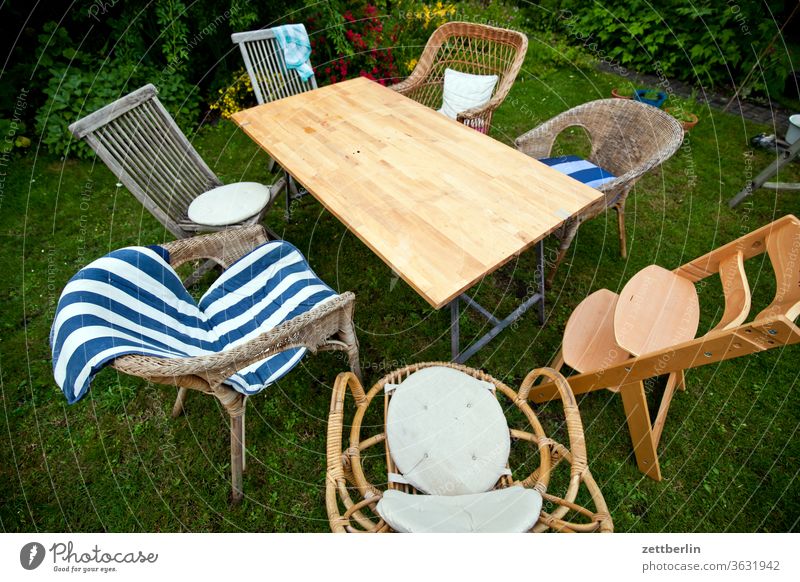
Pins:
x: 656, y: 309
x: 589, y: 341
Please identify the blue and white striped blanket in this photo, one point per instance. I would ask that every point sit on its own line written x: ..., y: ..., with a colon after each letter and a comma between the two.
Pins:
x: 132, y: 302
x: 293, y: 40
x: 579, y: 169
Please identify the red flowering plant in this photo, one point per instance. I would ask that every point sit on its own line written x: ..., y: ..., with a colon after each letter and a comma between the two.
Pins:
x: 364, y: 42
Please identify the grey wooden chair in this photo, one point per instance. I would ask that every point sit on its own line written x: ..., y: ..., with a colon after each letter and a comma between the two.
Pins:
x: 263, y: 59
x: 142, y: 145
x: 271, y: 80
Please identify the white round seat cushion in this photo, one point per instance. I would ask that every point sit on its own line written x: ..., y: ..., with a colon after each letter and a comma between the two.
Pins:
x: 447, y: 433
x: 510, y: 510
x: 229, y: 204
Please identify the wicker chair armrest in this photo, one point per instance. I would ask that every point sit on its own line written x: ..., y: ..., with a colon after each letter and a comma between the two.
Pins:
x: 224, y: 247
x: 538, y: 142
x: 312, y: 330
x: 577, y: 440
x: 406, y: 86
x: 626, y: 181
x: 479, y: 111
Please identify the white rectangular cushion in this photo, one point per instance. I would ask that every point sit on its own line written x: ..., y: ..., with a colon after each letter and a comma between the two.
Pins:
x: 511, y: 510
x: 464, y: 91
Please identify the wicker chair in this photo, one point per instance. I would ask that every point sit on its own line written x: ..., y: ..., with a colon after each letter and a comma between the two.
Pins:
x: 628, y: 139
x: 326, y: 327
x: 348, y: 467
x: 469, y: 48
x: 145, y: 149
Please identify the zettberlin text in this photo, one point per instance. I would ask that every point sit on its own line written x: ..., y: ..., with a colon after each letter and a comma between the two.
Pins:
x: 684, y: 549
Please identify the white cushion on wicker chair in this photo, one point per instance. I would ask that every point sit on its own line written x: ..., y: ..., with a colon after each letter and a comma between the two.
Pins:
x: 229, y: 204
x: 464, y: 91
x: 510, y: 510
x: 447, y: 433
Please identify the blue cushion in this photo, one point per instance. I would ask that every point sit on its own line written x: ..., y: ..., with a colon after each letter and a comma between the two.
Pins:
x: 133, y: 302
x: 580, y: 169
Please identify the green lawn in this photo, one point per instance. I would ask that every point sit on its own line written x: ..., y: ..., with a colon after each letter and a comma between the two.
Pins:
x: 116, y: 461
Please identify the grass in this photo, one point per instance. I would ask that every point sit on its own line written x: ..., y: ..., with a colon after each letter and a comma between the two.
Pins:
x: 116, y: 461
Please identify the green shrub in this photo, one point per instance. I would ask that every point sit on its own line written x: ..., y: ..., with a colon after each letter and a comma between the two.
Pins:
x: 73, y: 93
x: 705, y: 42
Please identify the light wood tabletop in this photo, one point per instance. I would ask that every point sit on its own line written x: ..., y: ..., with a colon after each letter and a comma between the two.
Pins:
x: 442, y: 204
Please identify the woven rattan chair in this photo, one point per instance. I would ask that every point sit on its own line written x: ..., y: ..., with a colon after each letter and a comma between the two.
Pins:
x: 468, y: 48
x: 145, y: 149
x: 328, y: 326
x: 355, y: 469
x: 271, y: 80
x: 628, y: 139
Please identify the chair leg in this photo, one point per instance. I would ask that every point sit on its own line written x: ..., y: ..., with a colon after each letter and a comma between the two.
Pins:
x: 661, y: 417
x: 180, y: 402
x: 641, y: 431
x: 199, y: 272
x: 287, y: 215
x: 237, y: 457
x: 570, y: 230
x: 353, y: 360
x: 623, y: 243
x: 680, y: 379
x: 558, y: 361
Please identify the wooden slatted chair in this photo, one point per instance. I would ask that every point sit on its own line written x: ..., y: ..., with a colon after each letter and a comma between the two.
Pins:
x: 628, y: 139
x: 470, y: 48
x: 446, y: 441
x: 142, y: 145
x: 271, y: 80
x: 618, y: 342
x: 263, y: 59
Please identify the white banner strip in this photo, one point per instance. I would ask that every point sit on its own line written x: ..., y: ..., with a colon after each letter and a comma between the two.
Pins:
x: 139, y: 557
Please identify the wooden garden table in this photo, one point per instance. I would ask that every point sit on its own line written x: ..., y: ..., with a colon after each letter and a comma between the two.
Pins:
x: 442, y: 204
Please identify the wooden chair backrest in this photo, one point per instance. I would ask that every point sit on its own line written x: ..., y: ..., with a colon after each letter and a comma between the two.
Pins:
x: 142, y: 145
x: 781, y: 240
x: 263, y: 59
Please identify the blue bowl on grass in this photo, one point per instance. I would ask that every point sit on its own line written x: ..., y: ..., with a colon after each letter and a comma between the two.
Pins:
x: 640, y: 93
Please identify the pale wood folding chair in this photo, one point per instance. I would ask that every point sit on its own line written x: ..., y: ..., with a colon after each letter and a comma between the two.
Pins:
x: 618, y: 342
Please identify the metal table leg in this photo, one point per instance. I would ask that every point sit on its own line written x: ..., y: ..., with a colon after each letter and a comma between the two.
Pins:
x: 785, y: 157
x: 454, y: 330
x: 498, y: 324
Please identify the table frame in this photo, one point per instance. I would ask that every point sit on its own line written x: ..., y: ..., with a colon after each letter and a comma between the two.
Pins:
x: 498, y: 324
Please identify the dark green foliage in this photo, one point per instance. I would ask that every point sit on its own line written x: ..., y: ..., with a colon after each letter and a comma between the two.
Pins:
x: 706, y: 42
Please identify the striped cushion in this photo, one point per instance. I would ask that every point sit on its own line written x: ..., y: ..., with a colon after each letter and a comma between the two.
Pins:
x: 132, y: 302
x: 580, y: 169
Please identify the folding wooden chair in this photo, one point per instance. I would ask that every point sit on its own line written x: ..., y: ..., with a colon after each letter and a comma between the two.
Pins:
x: 617, y: 342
